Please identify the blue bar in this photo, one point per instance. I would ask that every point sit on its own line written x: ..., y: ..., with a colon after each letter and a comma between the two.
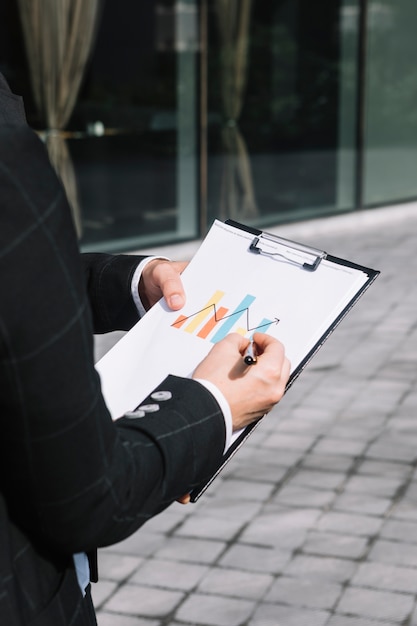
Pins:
x: 231, y: 320
x: 263, y: 326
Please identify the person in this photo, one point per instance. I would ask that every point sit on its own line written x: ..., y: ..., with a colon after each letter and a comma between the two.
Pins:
x: 72, y: 479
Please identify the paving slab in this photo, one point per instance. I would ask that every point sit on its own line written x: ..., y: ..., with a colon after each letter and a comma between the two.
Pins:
x: 314, y: 521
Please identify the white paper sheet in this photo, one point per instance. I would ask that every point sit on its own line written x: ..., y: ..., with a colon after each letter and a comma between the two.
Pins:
x: 224, y: 277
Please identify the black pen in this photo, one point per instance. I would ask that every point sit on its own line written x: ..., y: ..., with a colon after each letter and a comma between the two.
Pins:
x: 250, y: 357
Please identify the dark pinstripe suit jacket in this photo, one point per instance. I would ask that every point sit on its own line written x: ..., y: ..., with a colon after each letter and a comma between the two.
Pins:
x: 70, y: 479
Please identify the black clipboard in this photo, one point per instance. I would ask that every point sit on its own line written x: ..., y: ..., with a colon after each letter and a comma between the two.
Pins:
x: 310, y: 261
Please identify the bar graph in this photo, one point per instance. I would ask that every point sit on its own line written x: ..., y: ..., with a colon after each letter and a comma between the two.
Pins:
x: 213, y: 322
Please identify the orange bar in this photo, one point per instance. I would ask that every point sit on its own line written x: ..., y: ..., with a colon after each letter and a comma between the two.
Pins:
x: 208, y: 327
x: 179, y: 321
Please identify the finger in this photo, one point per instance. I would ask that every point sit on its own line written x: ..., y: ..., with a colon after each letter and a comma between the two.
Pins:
x: 184, y: 499
x: 224, y: 361
x: 173, y: 293
x: 273, y: 356
x: 234, y: 342
x: 233, y: 347
x: 269, y: 345
x: 168, y: 279
x: 286, y: 369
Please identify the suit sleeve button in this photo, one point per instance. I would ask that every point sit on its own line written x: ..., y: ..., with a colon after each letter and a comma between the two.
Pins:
x: 161, y: 395
x: 133, y: 415
x: 149, y: 408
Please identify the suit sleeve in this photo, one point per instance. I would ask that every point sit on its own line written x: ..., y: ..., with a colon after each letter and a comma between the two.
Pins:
x: 108, y: 279
x: 72, y: 478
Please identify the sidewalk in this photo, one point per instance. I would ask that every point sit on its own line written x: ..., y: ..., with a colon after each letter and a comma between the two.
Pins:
x: 314, y: 522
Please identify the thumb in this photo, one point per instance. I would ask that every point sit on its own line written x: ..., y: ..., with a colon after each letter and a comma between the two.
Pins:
x: 171, y: 286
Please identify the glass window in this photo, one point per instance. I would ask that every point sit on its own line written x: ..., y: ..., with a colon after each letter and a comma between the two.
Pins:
x: 131, y: 134
x: 282, y: 108
x: 152, y: 149
x: 138, y: 182
x: 391, y: 97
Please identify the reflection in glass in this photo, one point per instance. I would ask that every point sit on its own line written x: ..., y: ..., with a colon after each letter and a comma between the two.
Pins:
x: 58, y: 43
x: 296, y: 110
x: 391, y: 96
x: 237, y: 198
x: 127, y: 113
x: 138, y: 181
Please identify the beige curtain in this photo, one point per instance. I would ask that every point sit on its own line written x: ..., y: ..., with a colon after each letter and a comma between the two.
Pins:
x: 237, y: 198
x: 59, y: 36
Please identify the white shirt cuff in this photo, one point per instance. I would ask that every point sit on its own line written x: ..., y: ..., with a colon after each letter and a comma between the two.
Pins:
x: 82, y: 569
x: 135, y: 282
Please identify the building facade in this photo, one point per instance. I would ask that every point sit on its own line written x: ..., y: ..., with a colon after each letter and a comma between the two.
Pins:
x: 163, y: 115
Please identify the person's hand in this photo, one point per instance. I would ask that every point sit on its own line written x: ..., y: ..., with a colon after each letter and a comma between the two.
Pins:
x: 185, y: 499
x: 162, y: 278
x: 251, y: 390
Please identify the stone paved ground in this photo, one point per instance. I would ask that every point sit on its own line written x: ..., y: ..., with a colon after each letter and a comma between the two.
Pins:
x: 314, y: 522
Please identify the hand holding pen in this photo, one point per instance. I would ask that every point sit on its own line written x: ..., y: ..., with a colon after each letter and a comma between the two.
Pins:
x: 250, y: 391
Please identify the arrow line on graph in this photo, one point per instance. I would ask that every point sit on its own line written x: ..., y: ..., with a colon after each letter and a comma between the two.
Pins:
x: 213, y: 306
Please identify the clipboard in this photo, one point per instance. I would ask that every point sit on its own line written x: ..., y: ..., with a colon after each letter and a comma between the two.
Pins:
x: 309, y: 261
x: 243, y: 280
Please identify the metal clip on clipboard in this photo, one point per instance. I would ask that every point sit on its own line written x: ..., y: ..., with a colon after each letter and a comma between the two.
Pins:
x: 317, y: 255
